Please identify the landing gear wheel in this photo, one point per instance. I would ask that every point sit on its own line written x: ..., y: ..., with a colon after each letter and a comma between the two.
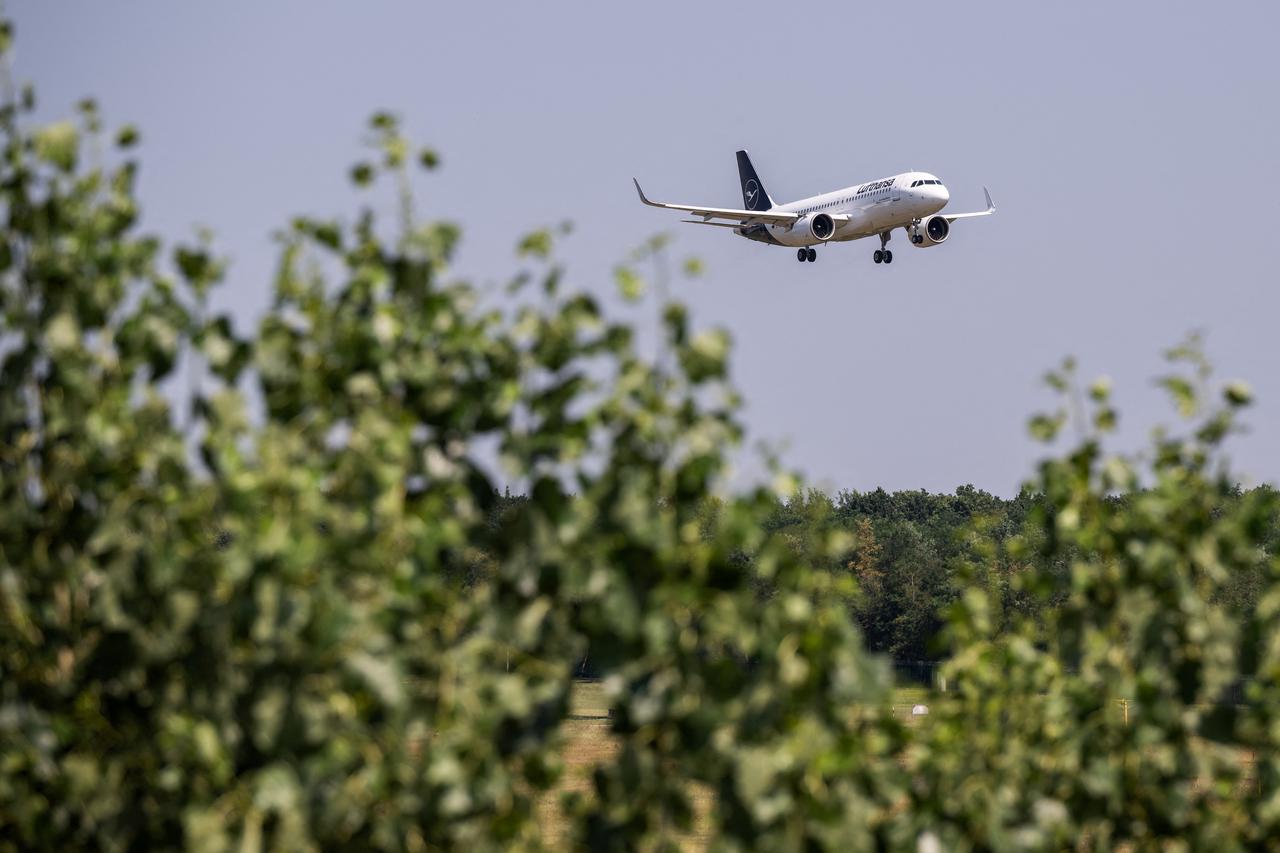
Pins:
x: 883, y: 255
x: 812, y: 255
x: 802, y: 255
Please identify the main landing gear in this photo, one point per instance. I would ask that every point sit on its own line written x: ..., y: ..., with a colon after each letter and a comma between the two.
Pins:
x: 883, y: 255
x: 809, y: 255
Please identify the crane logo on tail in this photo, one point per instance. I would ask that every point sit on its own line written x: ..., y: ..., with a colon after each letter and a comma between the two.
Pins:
x: 751, y: 190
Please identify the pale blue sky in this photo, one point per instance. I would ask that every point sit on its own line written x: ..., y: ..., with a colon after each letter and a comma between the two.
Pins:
x: 1131, y: 149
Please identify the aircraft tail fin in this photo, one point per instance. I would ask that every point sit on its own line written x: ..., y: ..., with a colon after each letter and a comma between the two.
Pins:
x: 754, y: 195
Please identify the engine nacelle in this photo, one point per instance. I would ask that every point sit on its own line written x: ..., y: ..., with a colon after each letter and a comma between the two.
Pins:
x: 805, y: 231
x: 821, y: 226
x: 930, y: 232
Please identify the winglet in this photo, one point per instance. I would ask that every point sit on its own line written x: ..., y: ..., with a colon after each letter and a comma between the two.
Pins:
x: 991, y: 205
x: 641, y: 192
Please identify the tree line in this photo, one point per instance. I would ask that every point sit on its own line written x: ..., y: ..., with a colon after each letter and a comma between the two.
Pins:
x: 913, y: 552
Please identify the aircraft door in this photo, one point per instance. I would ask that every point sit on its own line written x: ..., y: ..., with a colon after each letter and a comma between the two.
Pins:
x: 895, y: 192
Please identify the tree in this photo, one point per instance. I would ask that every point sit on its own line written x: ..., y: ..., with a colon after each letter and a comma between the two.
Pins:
x: 1102, y: 717
x: 865, y: 566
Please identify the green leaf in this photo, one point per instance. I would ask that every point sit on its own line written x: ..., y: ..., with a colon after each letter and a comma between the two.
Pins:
x: 362, y: 174
x: 396, y: 151
x: 706, y: 356
x: 1046, y: 427
x: 630, y: 285
x: 1183, y: 394
x: 127, y: 137
x: 1238, y: 393
x: 58, y: 145
x: 63, y: 333
x: 1105, y: 419
x: 536, y: 243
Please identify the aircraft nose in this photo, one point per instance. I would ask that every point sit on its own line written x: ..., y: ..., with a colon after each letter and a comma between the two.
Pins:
x: 943, y: 195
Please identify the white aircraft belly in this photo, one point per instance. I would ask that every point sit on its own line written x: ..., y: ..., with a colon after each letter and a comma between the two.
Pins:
x: 858, y: 225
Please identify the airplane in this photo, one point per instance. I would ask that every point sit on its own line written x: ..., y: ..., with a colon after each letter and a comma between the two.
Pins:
x: 910, y: 201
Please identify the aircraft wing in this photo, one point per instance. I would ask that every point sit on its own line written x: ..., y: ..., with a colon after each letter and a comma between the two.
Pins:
x: 742, y: 217
x: 991, y: 208
x: 707, y: 222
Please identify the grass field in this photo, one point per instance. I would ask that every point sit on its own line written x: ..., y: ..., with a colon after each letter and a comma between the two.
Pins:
x: 589, y: 743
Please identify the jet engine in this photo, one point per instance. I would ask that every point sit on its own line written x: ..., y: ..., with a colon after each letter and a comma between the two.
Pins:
x: 805, y: 231
x: 930, y: 232
x: 820, y: 226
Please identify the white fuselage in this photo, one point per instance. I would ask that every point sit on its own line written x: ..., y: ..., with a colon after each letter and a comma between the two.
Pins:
x: 860, y: 210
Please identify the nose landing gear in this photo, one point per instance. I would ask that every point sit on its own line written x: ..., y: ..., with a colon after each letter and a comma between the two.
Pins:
x: 809, y: 255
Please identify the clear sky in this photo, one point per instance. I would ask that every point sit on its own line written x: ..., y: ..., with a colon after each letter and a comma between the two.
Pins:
x: 1131, y: 149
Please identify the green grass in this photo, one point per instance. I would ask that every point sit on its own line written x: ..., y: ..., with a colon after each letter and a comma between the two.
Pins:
x: 907, y: 697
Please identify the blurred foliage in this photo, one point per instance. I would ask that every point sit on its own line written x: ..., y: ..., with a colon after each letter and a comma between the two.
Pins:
x: 1112, y: 718
x: 307, y: 618
x: 301, y: 615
